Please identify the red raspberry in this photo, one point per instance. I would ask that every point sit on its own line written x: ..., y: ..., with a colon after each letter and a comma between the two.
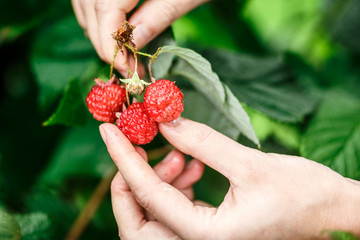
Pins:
x: 105, y: 99
x: 163, y: 101
x: 137, y: 125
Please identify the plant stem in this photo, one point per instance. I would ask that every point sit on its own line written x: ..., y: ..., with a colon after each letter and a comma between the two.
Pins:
x: 136, y: 61
x: 113, y: 61
x: 127, y: 98
x: 92, y: 205
x: 150, y: 69
x: 135, y: 51
x: 154, y: 57
x: 100, y: 192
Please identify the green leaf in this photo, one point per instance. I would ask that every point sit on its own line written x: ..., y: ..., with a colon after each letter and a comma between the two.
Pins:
x: 10, y: 33
x: 35, y: 226
x: 290, y: 26
x: 9, y: 227
x: 71, y: 110
x: 342, y: 18
x: 61, y: 53
x: 264, y: 83
x: 286, y: 134
x: 333, y: 136
x: 199, y: 72
x: 163, y: 63
x: 57, y: 205
x: 78, y: 148
x: 194, y: 109
x: 337, y: 235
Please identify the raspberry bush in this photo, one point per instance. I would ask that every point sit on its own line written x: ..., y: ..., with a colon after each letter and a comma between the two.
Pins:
x: 291, y: 67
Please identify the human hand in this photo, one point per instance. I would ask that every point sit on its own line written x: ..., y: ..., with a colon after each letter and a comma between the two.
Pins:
x: 271, y: 196
x: 101, y: 18
x: 129, y: 214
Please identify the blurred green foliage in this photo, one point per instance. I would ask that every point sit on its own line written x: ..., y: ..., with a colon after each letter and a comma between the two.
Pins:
x: 294, y: 66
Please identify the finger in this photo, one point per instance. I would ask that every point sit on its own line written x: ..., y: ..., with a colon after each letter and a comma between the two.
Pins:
x: 219, y: 152
x: 168, y: 169
x: 171, y: 167
x: 79, y: 13
x: 153, y: 17
x: 162, y: 200
x: 128, y: 213
x: 92, y: 26
x: 110, y: 15
x: 202, y: 203
x: 192, y: 173
x: 141, y: 152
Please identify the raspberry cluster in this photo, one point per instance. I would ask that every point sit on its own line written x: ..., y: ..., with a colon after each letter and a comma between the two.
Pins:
x: 139, y: 121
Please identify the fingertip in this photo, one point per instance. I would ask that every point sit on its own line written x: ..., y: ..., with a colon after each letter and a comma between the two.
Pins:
x: 142, y: 35
x: 197, y: 165
x: 192, y: 173
x: 195, y: 170
x: 114, y: 139
x: 171, y: 166
x: 165, y: 126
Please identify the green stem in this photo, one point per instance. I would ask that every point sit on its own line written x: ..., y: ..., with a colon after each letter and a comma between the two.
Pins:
x: 113, y: 61
x: 153, y: 58
x: 135, y: 51
x: 89, y: 210
x: 136, y: 61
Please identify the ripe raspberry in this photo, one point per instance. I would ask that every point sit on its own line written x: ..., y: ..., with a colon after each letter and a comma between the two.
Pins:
x: 163, y: 101
x: 105, y: 99
x: 137, y: 125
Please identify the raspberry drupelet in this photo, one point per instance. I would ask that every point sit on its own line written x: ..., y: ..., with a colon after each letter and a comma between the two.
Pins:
x: 105, y: 99
x: 163, y: 101
x: 137, y: 125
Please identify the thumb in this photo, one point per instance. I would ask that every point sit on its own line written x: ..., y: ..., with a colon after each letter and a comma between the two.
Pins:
x: 155, y: 16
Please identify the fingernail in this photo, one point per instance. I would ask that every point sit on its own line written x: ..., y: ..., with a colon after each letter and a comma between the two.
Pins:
x: 142, y: 35
x: 169, y: 156
x: 174, y: 123
x: 102, y: 133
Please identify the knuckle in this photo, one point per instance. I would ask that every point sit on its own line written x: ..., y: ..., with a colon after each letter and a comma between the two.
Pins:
x: 143, y: 197
x: 101, y: 6
x: 170, y: 10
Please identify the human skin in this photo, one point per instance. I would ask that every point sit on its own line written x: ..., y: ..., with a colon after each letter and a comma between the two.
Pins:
x: 271, y: 196
x: 101, y: 18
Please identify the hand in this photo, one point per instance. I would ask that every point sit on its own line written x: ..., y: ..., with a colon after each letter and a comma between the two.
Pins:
x: 129, y: 214
x: 271, y: 196
x: 101, y: 18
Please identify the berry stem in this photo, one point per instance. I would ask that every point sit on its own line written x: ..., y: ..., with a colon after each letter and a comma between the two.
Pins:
x: 127, y: 98
x: 153, y: 58
x: 113, y: 61
x: 136, y: 61
x: 150, y: 69
x: 92, y: 205
x: 135, y: 51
